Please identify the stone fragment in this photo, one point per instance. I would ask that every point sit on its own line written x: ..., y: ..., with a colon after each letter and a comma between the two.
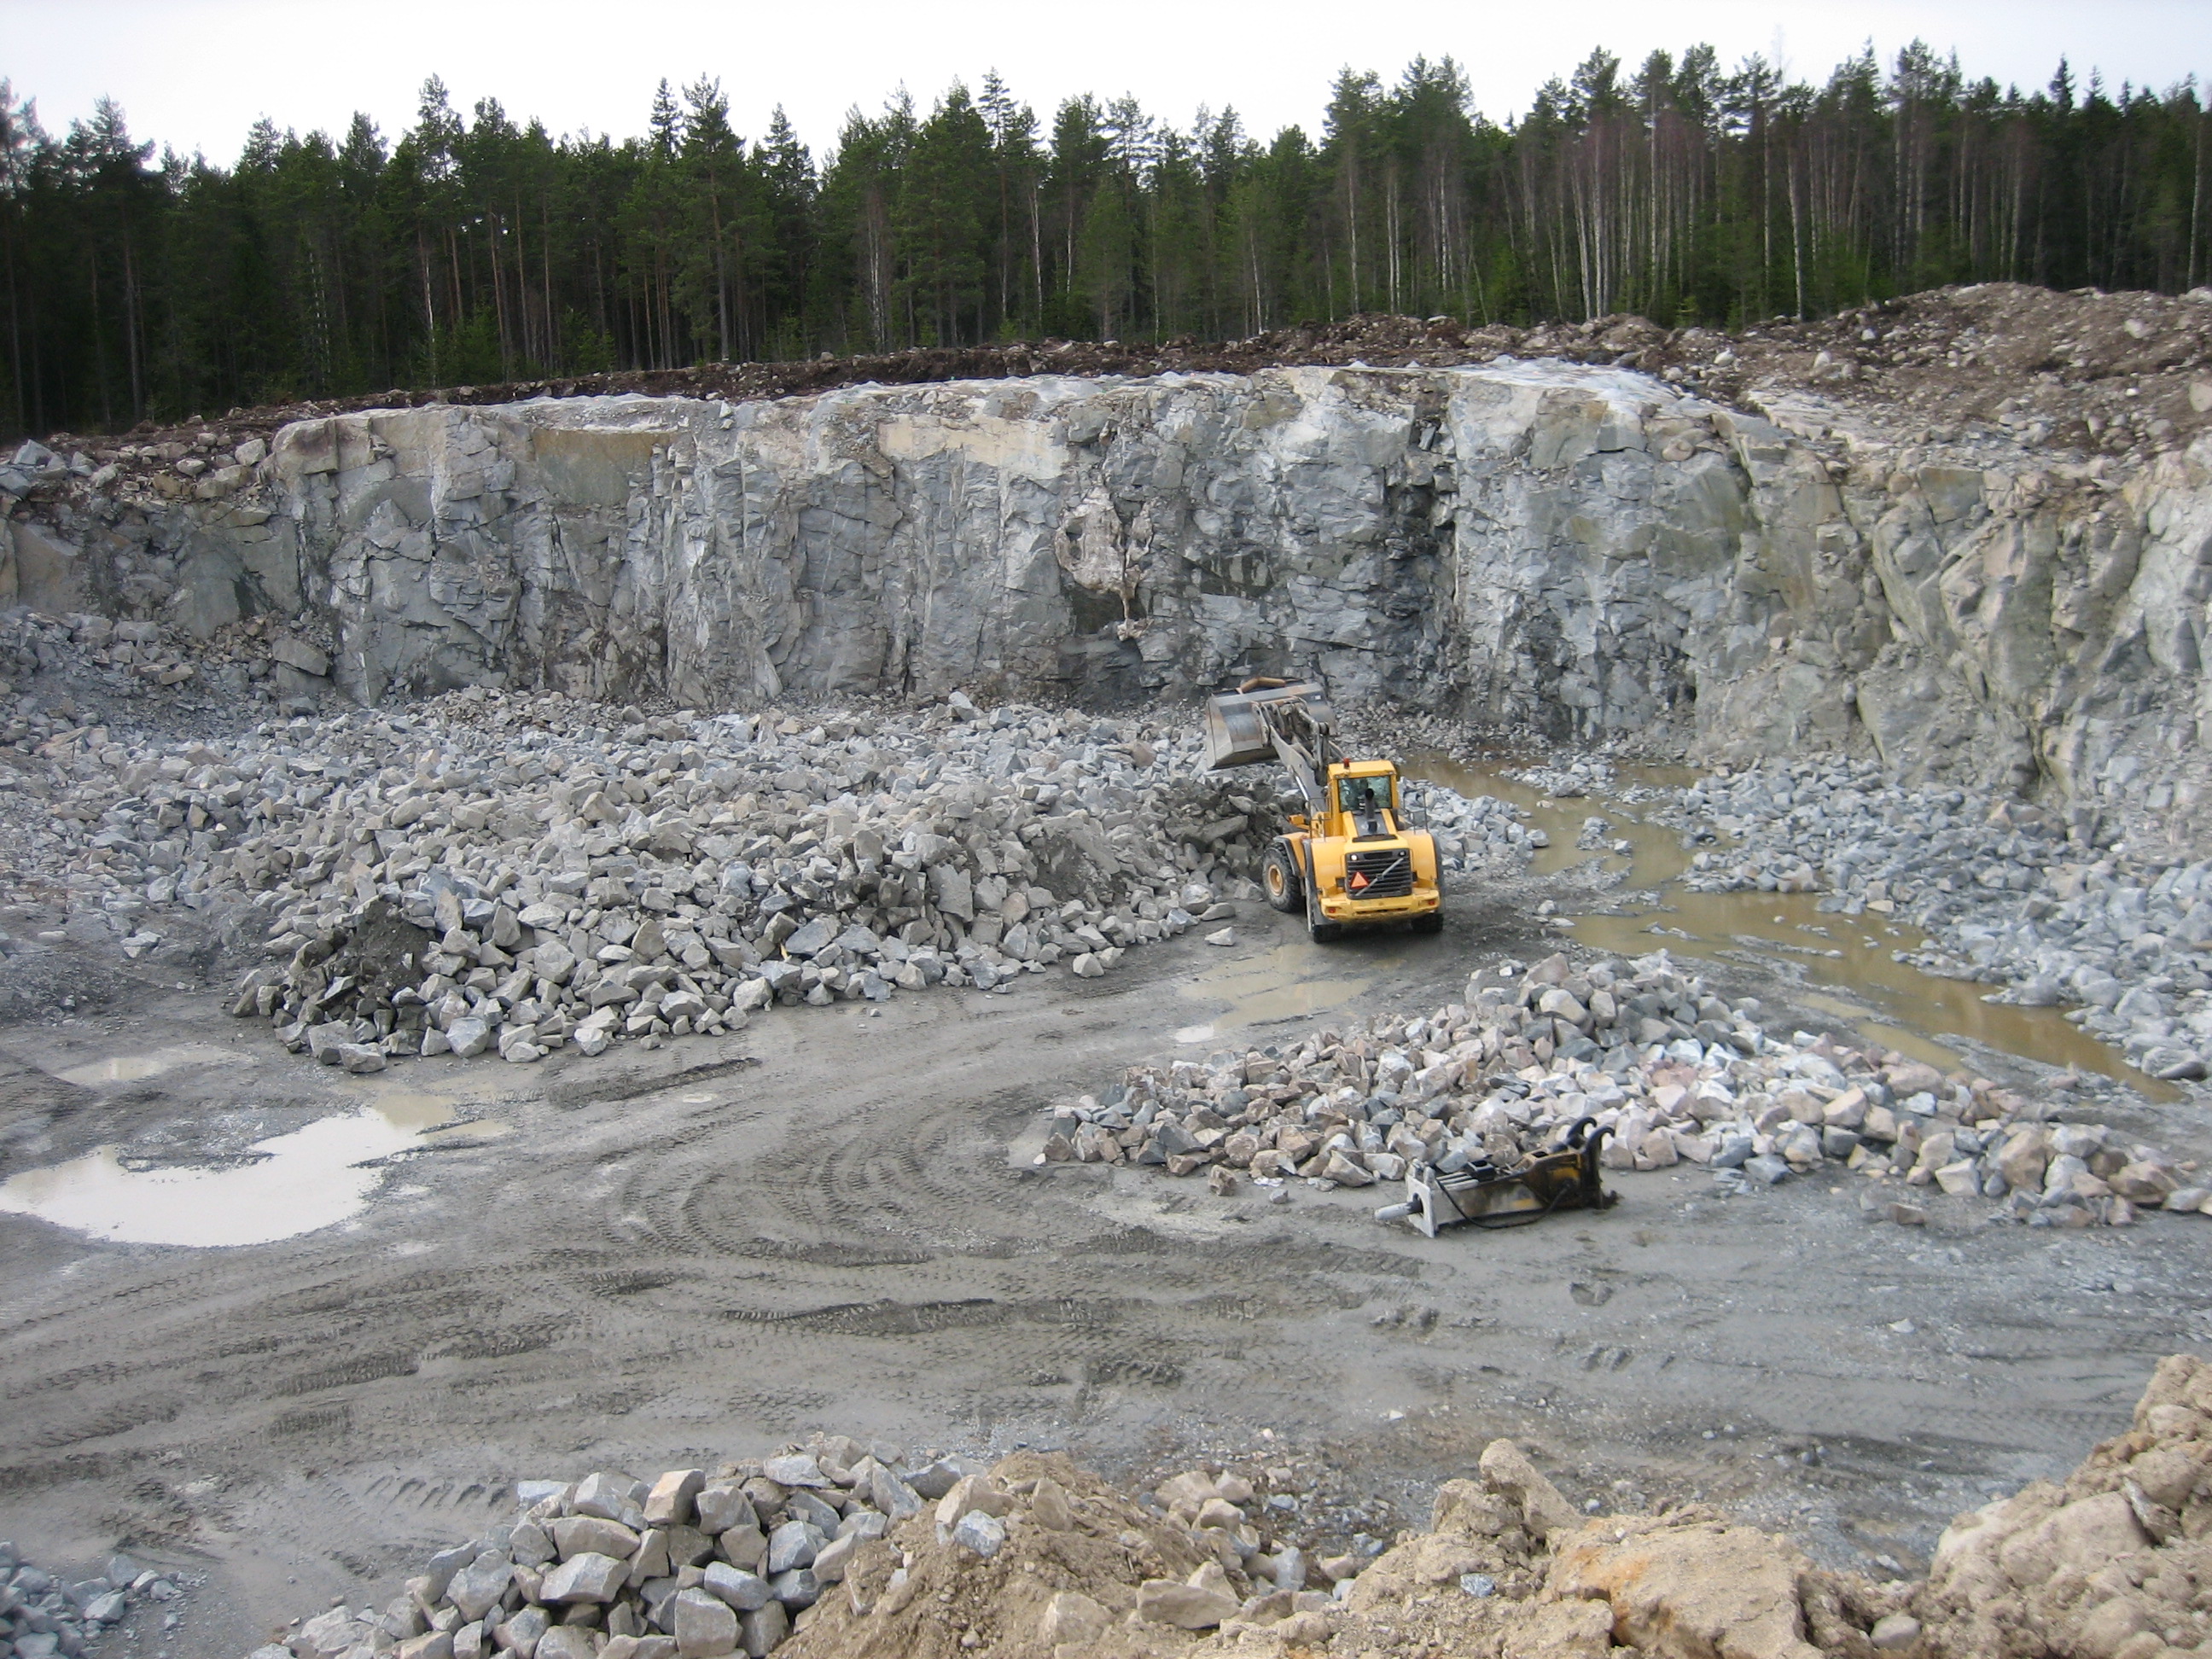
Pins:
x: 745, y: 1591
x: 705, y: 1627
x: 794, y: 1544
x: 576, y: 1534
x: 602, y: 1494
x: 589, y: 1576
x: 762, y: 1632
x: 1074, y: 1619
x: 476, y: 1588
x: 794, y: 1469
x: 1186, y: 1607
x: 980, y: 1533
x: 721, y: 1507
x: 1049, y: 1505
x: 829, y: 1564
x: 1895, y: 1633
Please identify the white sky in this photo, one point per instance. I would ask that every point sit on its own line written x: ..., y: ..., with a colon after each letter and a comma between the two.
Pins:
x: 196, y: 74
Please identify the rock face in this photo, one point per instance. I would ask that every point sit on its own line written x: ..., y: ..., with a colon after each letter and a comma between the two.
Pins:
x: 1584, y: 551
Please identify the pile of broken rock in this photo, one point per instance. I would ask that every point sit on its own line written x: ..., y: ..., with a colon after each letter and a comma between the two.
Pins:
x: 2010, y: 895
x: 1672, y: 1073
x: 702, y: 1566
x: 838, y: 1550
x: 486, y: 871
x: 42, y: 1615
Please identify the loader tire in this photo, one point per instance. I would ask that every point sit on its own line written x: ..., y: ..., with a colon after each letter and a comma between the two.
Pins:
x: 1319, y: 929
x: 1279, y: 876
x: 1431, y: 923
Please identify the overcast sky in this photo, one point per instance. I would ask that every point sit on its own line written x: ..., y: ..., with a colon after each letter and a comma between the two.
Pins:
x: 196, y: 74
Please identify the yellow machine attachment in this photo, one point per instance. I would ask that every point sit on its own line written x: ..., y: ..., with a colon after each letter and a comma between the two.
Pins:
x: 1346, y: 861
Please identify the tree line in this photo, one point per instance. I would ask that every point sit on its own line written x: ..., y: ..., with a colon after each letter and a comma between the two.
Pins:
x: 479, y: 250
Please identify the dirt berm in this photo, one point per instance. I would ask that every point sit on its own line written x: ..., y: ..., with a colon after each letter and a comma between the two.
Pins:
x: 1037, y: 1558
x: 2116, y: 1564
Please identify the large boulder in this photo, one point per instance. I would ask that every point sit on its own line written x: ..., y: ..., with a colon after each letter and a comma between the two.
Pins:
x: 1690, y: 1588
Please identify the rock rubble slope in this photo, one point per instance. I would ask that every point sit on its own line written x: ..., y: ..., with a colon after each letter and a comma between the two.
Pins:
x: 43, y: 1615
x: 837, y: 1549
x: 2010, y: 897
x: 496, y: 873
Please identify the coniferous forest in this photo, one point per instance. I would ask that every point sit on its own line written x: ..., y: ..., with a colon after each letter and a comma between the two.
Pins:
x: 477, y: 248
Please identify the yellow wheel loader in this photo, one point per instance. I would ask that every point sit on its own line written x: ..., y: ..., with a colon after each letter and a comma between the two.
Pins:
x: 1346, y: 861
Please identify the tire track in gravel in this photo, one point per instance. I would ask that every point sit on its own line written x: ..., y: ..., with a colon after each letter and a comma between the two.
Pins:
x: 815, y: 1223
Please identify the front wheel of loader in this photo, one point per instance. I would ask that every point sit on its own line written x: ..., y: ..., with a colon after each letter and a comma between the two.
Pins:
x: 1319, y: 928
x: 1279, y: 876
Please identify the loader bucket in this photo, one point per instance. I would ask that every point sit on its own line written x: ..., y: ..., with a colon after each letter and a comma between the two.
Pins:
x: 1236, y: 735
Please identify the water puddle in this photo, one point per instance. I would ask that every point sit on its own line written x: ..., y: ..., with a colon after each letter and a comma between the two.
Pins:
x: 1886, y: 1000
x: 134, y: 1068
x: 279, y: 1188
x: 1292, y: 981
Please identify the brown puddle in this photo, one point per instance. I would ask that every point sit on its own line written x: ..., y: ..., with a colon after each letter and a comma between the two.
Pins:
x: 1290, y: 982
x: 136, y: 1069
x: 1887, y: 1001
x: 297, y: 1182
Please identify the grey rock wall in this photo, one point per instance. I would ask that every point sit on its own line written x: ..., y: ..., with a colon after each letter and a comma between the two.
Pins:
x: 1580, y: 553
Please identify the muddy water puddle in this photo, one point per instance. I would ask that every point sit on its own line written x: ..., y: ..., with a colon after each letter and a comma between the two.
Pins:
x: 1290, y: 983
x: 136, y: 1068
x: 1884, y: 999
x: 281, y: 1186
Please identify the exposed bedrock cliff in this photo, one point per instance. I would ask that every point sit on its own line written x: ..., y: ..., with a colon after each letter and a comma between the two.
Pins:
x: 1579, y: 552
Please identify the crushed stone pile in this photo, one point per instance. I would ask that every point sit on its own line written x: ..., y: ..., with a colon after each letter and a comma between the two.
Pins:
x: 1675, y: 1076
x: 828, y: 1538
x: 2009, y: 896
x: 42, y: 1615
x: 492, y: 872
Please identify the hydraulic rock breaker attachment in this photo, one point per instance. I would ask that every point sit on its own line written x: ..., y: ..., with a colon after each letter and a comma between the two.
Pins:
x: 1484, y: 1196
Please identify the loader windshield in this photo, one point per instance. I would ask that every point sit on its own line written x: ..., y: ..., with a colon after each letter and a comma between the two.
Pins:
x: 1366, y: 802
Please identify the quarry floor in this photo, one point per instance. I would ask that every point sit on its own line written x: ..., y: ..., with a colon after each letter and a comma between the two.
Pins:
x: 831, y: 1221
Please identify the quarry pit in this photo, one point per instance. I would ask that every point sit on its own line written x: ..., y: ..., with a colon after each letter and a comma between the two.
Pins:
x: 1870, y: 697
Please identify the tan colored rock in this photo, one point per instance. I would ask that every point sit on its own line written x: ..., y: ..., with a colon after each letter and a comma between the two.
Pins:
x: 972, y: 1491
x: 1506, y: 1470
x: 1560, y: 1629
x: 1218, y: 1512
x: 2111, y: 1628
x: 1425, y: 1562
x: 1469, y: 1507
x: 2143, y: 1182
x: 1695, y: 1590
x: 2085, y: 1535
x: 669, y: 1503
x: 1049, y: 1505
x: 2021, y: 1159
x: 1072, y: 1617
x: 1186, y: 1607
x: 2171, y: 1475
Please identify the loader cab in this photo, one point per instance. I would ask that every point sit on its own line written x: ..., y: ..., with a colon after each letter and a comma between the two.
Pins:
x: 1366, y: 797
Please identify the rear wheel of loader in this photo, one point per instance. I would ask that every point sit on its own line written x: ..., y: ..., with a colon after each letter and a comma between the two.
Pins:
x: 1431, y: 923
x: 1279, y: 876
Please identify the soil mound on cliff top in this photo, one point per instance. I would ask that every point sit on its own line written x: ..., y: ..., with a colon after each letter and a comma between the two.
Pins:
x: 2121, y: 374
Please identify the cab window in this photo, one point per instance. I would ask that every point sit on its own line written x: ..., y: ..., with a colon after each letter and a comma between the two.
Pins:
x: 1363, y: 796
